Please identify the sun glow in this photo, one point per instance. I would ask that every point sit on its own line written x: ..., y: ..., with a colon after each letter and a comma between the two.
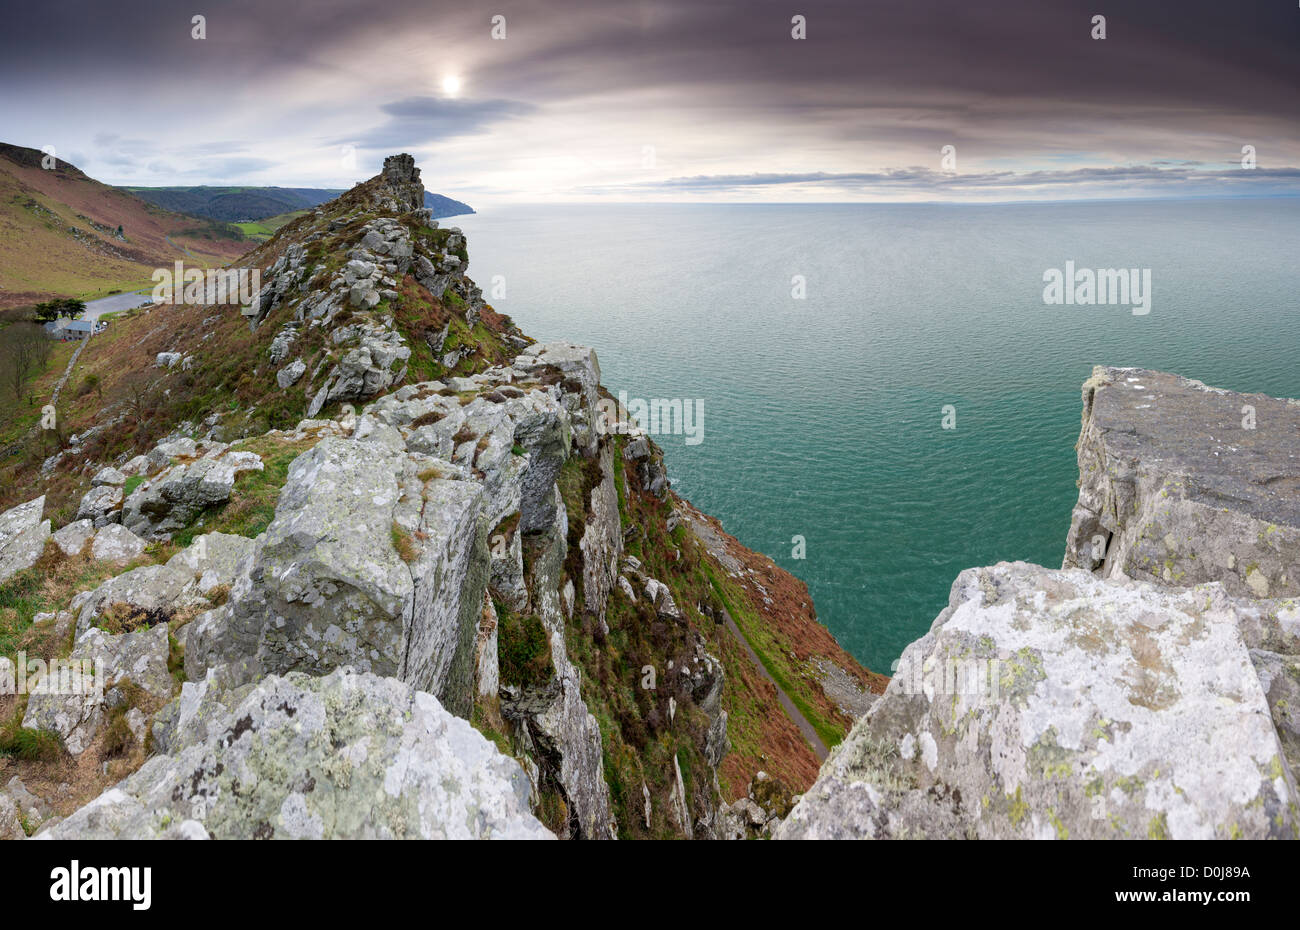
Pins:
x: 451, y: 85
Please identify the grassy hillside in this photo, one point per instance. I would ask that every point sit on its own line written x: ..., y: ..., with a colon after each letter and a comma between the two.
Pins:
x: 59, y: 234
x: 261, y: 230
x: 246, y: 205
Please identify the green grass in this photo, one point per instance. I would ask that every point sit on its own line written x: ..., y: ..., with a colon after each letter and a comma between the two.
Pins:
x: 49, y: 585
x: 261, y: 230
x: 252, y: 502
x: 30, y: 745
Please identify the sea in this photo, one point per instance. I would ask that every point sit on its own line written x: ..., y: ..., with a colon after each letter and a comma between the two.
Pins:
x: 884, y: 395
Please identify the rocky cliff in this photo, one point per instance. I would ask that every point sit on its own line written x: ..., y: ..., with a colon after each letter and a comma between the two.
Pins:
x: 364, y: 538
x: 1146, y: 689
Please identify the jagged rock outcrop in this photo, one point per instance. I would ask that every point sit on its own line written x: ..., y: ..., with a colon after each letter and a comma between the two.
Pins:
x: 347, y: 755
x: 1180, y: 483
x: 561, y: 734
x: 378, y: 558
x: 382, y: 233
x: 456, y: 545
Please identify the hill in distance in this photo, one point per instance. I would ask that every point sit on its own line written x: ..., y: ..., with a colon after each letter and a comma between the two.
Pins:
x: 249, y: 204
x: 59, y: 233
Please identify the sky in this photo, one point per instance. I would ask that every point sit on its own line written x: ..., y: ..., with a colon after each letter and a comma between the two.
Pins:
x: 690, y: 100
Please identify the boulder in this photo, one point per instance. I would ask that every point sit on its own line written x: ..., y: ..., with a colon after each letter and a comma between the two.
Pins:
x: 115, y: 543
x: 172, y: 500
x: 101, y: 504
x: 657, y: 593
x: 365, y: 564
x: 1057, y: 704
x: 108, y: 475
x: 32, y: 811
x: 281, y: 345
x: 290, y: 374
x: 72, y: 538
x: 22, y: 537
x: 348, y: 755
x: 214, y: 560
x: 11, y: 827
x: 148, y: 595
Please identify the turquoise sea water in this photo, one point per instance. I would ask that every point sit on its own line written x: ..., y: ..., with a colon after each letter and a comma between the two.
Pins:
x: 822, y: 416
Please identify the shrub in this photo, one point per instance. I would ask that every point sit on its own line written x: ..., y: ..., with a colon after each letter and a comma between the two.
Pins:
x: 524, y: 650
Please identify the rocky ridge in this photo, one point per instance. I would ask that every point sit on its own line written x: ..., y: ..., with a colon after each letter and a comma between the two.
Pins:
x: 479, y: 545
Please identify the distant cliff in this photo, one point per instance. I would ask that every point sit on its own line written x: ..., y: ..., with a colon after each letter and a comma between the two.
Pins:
x: 1145, y: 690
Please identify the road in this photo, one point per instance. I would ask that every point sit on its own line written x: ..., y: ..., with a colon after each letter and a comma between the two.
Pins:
x: 97, y: 308
x: 177, y: 245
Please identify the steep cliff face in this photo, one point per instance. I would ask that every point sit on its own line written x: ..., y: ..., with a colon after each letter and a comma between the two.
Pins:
x: 1144, y: 690
x: 442, y: 511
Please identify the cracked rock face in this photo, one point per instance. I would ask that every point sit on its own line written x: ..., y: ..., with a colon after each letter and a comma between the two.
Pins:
x: 1055, y: 704
x: 563, y: 733
x: 1180, y: 483
x: 327, y: 585
x: 348, y: 755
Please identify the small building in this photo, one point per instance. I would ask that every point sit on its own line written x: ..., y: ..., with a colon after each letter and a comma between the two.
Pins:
x: 68, y: 330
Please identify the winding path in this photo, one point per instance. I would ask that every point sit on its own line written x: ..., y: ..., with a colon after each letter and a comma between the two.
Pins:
x: 809, y: 732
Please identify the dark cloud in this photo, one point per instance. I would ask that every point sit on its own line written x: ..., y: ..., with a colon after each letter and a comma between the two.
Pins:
x: 416, y: 121
x: 1238, y: 57
x: 1175, y: 83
